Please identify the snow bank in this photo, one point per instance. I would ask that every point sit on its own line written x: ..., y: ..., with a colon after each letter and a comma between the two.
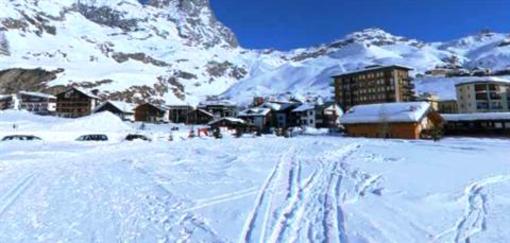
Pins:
x: 99, y: 122
x: 61, y: 129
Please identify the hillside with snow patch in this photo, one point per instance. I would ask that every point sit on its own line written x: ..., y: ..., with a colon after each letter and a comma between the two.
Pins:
x: 176, y: 52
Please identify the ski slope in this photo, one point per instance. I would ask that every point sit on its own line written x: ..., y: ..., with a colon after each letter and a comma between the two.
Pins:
x: 251, y: 189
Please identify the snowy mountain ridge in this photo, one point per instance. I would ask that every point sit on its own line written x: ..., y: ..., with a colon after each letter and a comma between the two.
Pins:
x: 176, y: 51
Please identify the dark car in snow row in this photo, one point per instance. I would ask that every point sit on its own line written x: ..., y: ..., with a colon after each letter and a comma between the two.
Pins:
x: 21, y: 138
x: 83, y: 138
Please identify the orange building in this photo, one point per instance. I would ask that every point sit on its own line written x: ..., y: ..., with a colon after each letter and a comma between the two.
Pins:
x: 410, y: 120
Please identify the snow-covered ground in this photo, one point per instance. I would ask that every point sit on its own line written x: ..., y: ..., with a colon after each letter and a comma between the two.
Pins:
x: 264, y: 189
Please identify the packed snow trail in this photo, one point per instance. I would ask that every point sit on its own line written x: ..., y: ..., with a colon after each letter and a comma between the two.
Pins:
x: 266, y: 189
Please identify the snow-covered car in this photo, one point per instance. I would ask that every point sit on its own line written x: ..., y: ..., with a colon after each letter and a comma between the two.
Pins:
x: 135, y: 137
x: 21, y: 138
x: 93, y: 137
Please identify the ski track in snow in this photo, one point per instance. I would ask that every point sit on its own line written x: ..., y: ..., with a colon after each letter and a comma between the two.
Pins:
x: 117, y: 192
x: 10, y: 197
x: 309, y: 209
x: 474, y: 218
x: 475, y: 215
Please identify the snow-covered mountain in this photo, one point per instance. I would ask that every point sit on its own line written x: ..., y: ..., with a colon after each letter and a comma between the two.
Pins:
x: 308, y: 71
x: 176, y: 51
x: 168, y: 50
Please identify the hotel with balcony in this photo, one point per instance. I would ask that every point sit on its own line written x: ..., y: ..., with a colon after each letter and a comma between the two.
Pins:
x: 372, y: 85
x: 488, y: 94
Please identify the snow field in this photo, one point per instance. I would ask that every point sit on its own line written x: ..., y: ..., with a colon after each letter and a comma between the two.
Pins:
x: 252, y: 189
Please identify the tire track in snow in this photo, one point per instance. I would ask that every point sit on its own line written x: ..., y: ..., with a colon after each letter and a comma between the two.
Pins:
x: 11, y: 196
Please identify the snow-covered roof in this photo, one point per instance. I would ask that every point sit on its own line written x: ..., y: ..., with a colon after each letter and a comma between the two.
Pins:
x: 476, y: 116
x: 333, y: 107
x: 84, y: 92
x: 5, y: 97
x: 159, y: 107
x: 37, y: 94
x: 276, y: 106
x: 230, y: 119
x: 483, y: 79
x: 206, y: 112
x: 122, y: 106
x: 87, y: 93
x: 217, y: 102
x: 387, y: 112
x: 373, y: 69
x: 256, y: 111
x: 304, y: 107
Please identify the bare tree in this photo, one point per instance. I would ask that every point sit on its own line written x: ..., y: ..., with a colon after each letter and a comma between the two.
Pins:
x: 384, y: 129
x: 4, y: 44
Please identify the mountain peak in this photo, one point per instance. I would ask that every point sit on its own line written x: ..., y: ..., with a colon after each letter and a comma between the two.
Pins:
x: 369, y: 34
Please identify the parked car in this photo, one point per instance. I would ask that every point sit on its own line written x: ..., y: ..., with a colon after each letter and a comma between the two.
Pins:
x: 93, y: 137
x: 21, y: 138
x: 133, y: 137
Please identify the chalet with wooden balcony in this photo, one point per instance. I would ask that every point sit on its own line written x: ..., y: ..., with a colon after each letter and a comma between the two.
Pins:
x: 75, y: 102
x: 151, y: 113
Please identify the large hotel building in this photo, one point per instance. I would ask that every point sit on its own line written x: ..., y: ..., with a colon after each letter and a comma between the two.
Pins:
x: 374, y: 84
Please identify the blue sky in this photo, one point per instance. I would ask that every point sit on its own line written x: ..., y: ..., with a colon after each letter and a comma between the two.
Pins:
x: 286, y: 24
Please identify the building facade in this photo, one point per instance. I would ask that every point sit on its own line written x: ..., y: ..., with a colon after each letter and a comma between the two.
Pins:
x: 328, y: 115
x: 179, y: 113
x: 75, y: 102
x: 199, y: 117
x: 483, y: 95
x: 448, y: 107
x: 410, y: 120
x: 6, y: 102
x: 258, y: 117
x: 219, y: 108
x: 372, y: 85
x: 38, y: 103
x: 487, y: 124
x: 305, y: 115
x: 151, y: 113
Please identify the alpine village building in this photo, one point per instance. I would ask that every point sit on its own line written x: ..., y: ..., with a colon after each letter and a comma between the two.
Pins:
x: 123, y: 110
x: 151, y: 113
x: 407, y: 120
x: 372, y: 85
x: 75, y: 102
x: 488, y: 94
x: 6, y: 102
x: 38, y: 103
x: 179, y: 113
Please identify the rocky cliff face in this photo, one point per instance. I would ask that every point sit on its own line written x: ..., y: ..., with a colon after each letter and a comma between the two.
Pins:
x: 163, y: 50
